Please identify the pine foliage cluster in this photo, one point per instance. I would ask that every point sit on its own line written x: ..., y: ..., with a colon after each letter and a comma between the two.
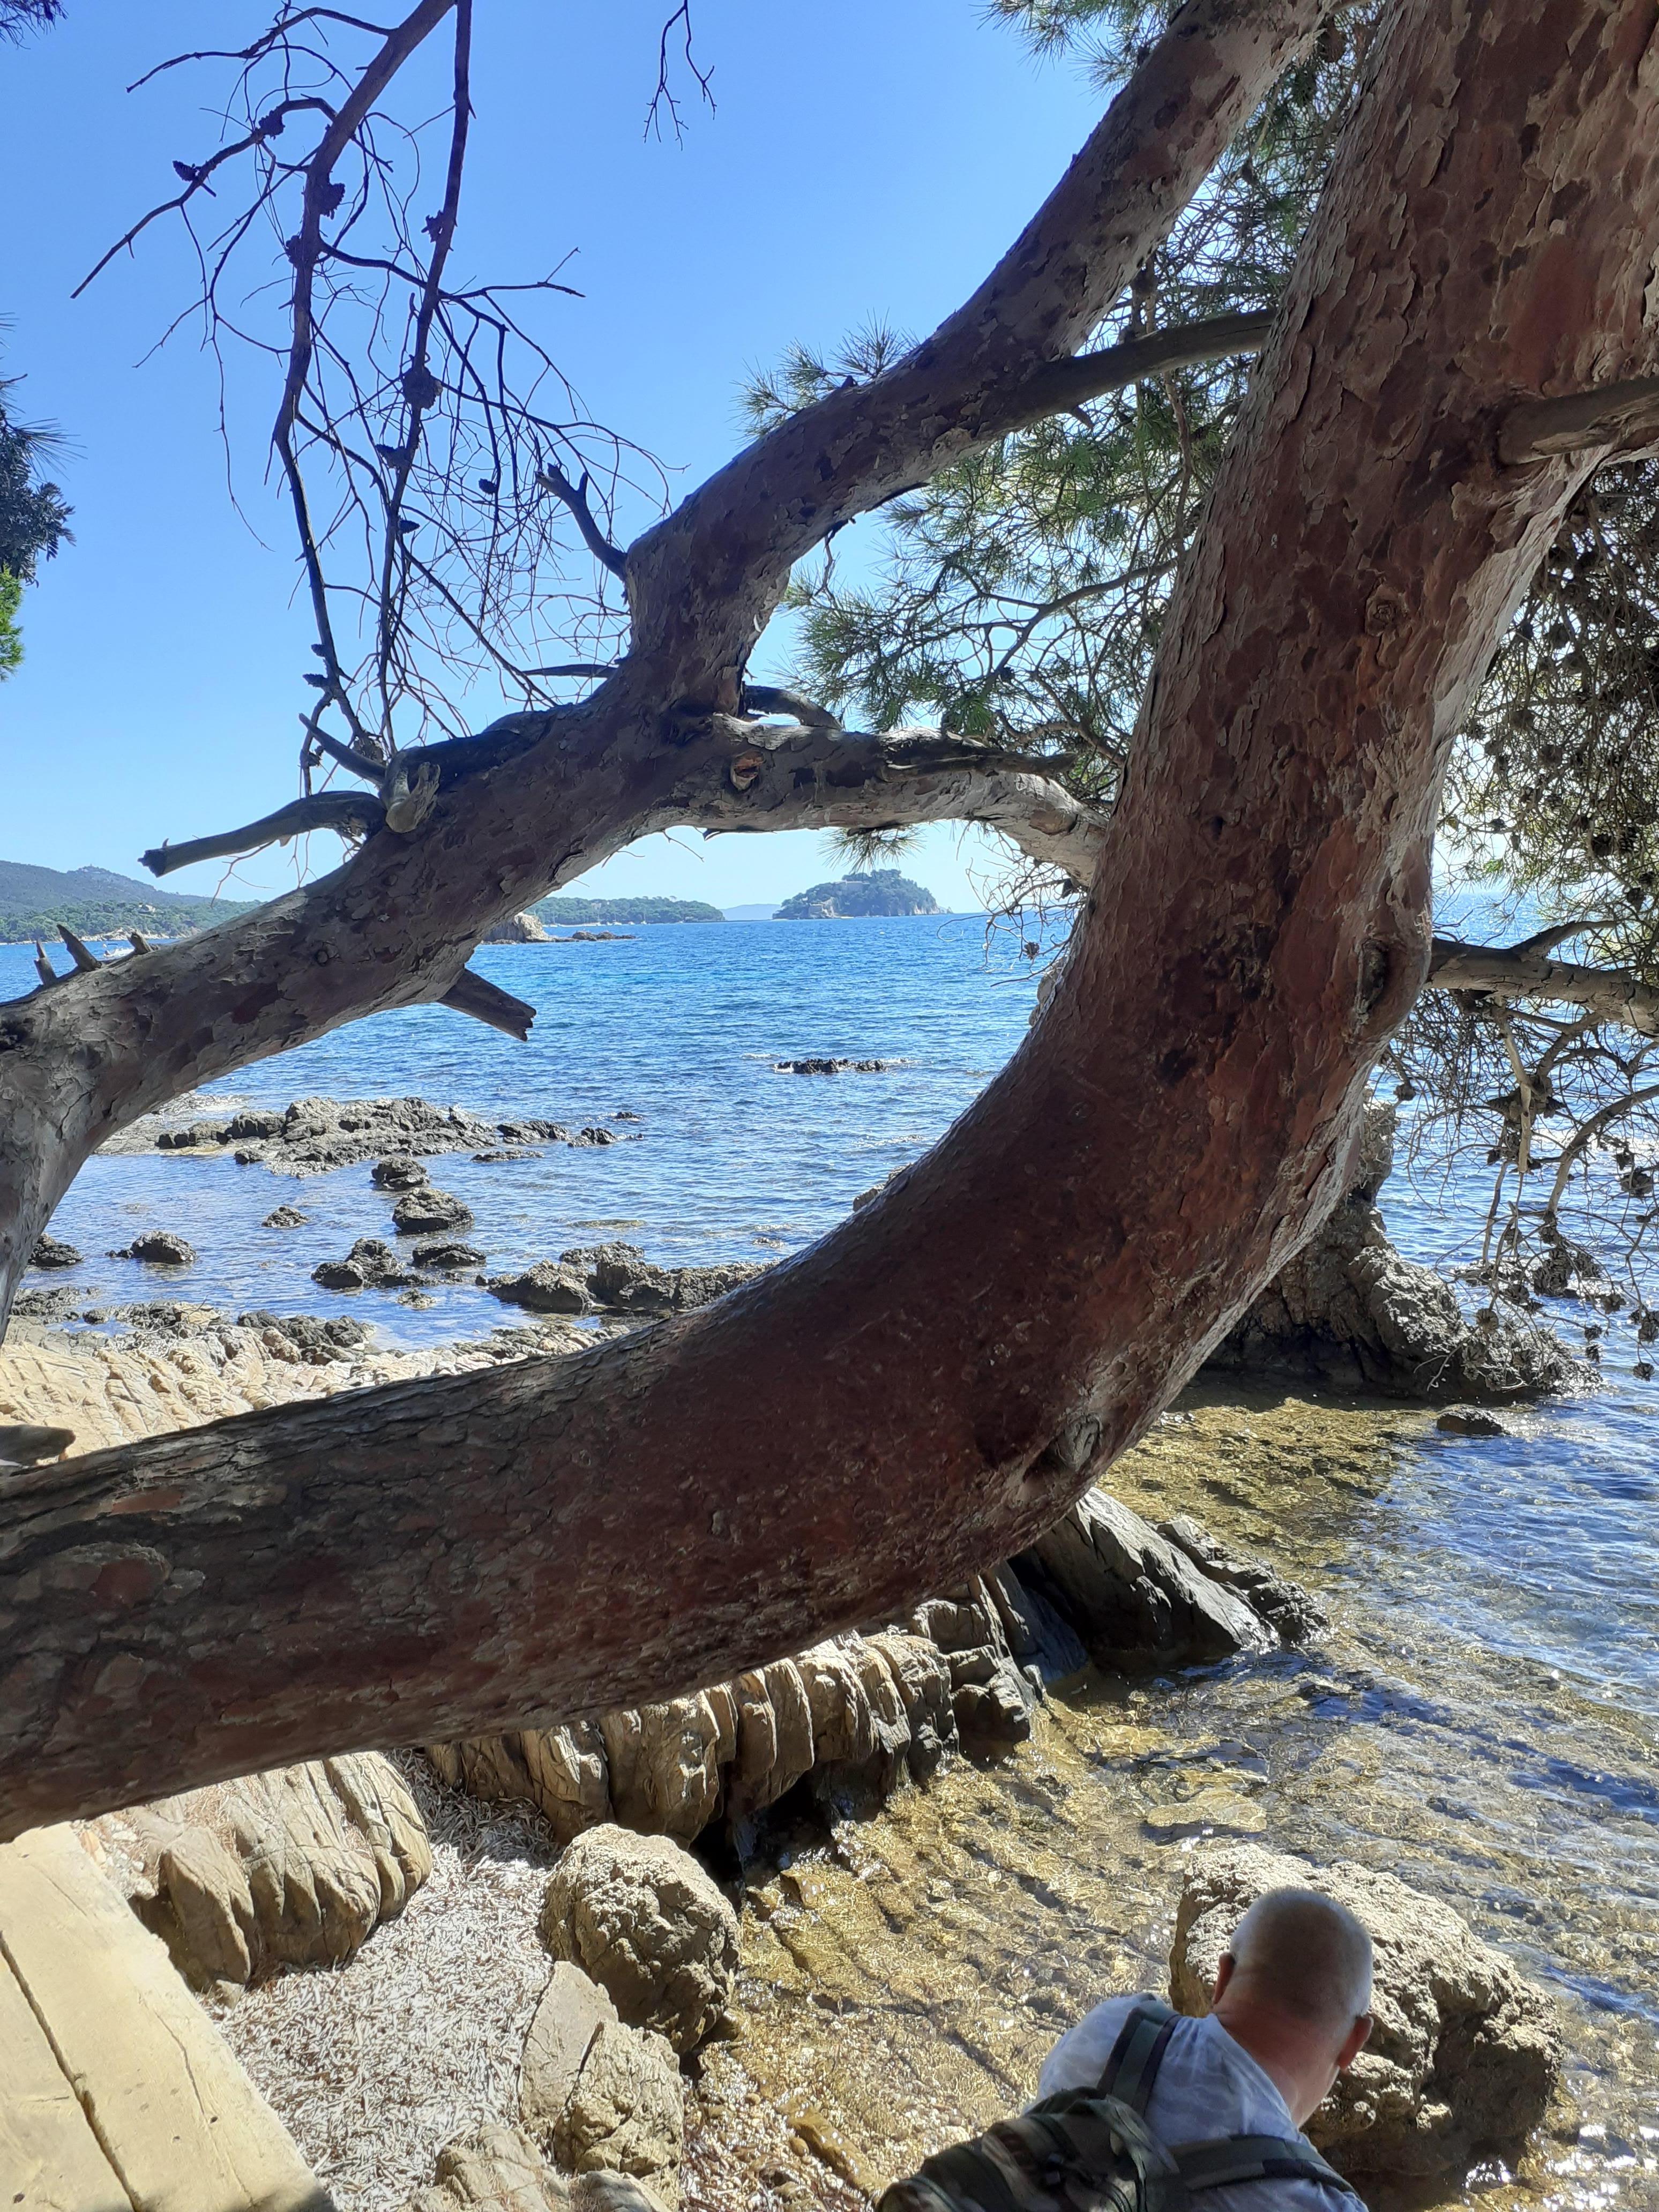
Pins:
x: 1021, y: 596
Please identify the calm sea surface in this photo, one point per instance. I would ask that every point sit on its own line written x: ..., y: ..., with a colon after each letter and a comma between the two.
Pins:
x: 1489, y: 1723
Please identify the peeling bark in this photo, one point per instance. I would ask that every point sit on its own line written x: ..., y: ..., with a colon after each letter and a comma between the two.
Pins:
x: 930, y: 1386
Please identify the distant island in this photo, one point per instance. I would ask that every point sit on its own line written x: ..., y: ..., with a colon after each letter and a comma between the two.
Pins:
x: 95, y: 903
x: 560, y: 912
x: 881, y: 890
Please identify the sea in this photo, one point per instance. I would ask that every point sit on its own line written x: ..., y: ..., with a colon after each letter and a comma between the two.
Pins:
x: 1498, y: 1704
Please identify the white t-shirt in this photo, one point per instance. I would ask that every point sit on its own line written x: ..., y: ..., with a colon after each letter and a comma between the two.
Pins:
x: 1206, y: 2086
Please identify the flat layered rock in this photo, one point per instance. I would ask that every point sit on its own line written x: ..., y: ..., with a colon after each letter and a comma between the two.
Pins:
x: 313, y: 1135
x: 85, y: 1990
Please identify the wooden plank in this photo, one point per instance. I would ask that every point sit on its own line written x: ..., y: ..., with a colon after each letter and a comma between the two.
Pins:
x: 177, y: 2118
x: 50, y: 2160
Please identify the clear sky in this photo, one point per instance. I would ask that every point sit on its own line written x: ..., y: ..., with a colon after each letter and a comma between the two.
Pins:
x: 864, y: 160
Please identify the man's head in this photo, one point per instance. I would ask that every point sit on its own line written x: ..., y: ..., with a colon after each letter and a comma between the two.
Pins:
x: 1295, y: 1989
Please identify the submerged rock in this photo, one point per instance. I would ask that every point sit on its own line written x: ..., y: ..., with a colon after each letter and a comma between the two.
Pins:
x: 643, y: 1919
x: 283, y: 1216
x: 1350, y: 1313
x: 293, y: 1868
x: 1470, y: 1421
x: 161, y: 1247
x: 52, y: 1252
x: 598, y: 2095
x: 829, y: 1067
x: 1465, y: 2054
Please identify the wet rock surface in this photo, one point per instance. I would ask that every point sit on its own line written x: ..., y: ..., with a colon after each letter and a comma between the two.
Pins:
x: 52, y: 1252
x: 371, y: 1264
x: 293, y: 1868
x: 283, y: 1216
x: 423, y: 1210
x: 1465, y: 2054
x: 314, y: 1135
x: 829, y: 1067
x: 641, y: 1917
x: 162, y: 1248
x: 1137, y: 1598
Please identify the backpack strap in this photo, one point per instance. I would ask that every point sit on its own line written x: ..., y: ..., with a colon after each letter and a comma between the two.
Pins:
x: 1225, y: 2159
x: 1132, y: 2068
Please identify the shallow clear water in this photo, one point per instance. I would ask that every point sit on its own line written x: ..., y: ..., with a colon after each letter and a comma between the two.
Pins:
x: 1485, y: 1716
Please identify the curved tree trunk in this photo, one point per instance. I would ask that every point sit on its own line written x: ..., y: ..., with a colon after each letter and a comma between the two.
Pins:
x: 931, y: 1385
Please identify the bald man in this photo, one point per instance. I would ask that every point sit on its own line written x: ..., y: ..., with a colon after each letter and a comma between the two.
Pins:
x: 1291, y: 2011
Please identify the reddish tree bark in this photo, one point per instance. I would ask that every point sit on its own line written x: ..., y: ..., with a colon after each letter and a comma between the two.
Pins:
x: 932, y: 1383
x: 552, y: 794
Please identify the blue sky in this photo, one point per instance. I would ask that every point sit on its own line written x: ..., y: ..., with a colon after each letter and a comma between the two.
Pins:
x: 863, y: 160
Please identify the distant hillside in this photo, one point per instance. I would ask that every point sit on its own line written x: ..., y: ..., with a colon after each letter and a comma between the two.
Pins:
x: 883, y: 890
x: 95, y: 903
x: 559, y: 911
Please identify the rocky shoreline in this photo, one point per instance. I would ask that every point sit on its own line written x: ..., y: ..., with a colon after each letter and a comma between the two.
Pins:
x: 717, y: 2055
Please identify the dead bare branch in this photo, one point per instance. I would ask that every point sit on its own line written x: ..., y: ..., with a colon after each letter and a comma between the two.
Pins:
x: 1624, y: 417
x: 350, y: 814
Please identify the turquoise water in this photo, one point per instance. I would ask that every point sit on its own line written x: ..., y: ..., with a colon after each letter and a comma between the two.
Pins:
x: 1498, y: 1689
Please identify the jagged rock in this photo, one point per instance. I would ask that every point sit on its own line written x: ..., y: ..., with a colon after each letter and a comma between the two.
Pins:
x: 1133, y: 1596
x: 1350, y: 1313
x: 161, y: 1247
x: 1040, y: 1640
x: 52, y: 1252
x: 643, y: 1919
x: 496, y: 2169
x: 316, y: 1340
x: 1465, y: 2054
x: 428, y: 1208
x: 448, y: 1256
x: 1293, y: 1611
x: 294, y: 1867
x: 620, y: 1277
x: 371, y: 1264
x: 548, y: 1287
x: 504, y: 1152
x: 991, y: 1699
x: 398, y: 1175
x: 283, y: 1216
x: 599, y: 2095
x: 516, y: 929
x: 58, y: 1302
x: 595, y: 1134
